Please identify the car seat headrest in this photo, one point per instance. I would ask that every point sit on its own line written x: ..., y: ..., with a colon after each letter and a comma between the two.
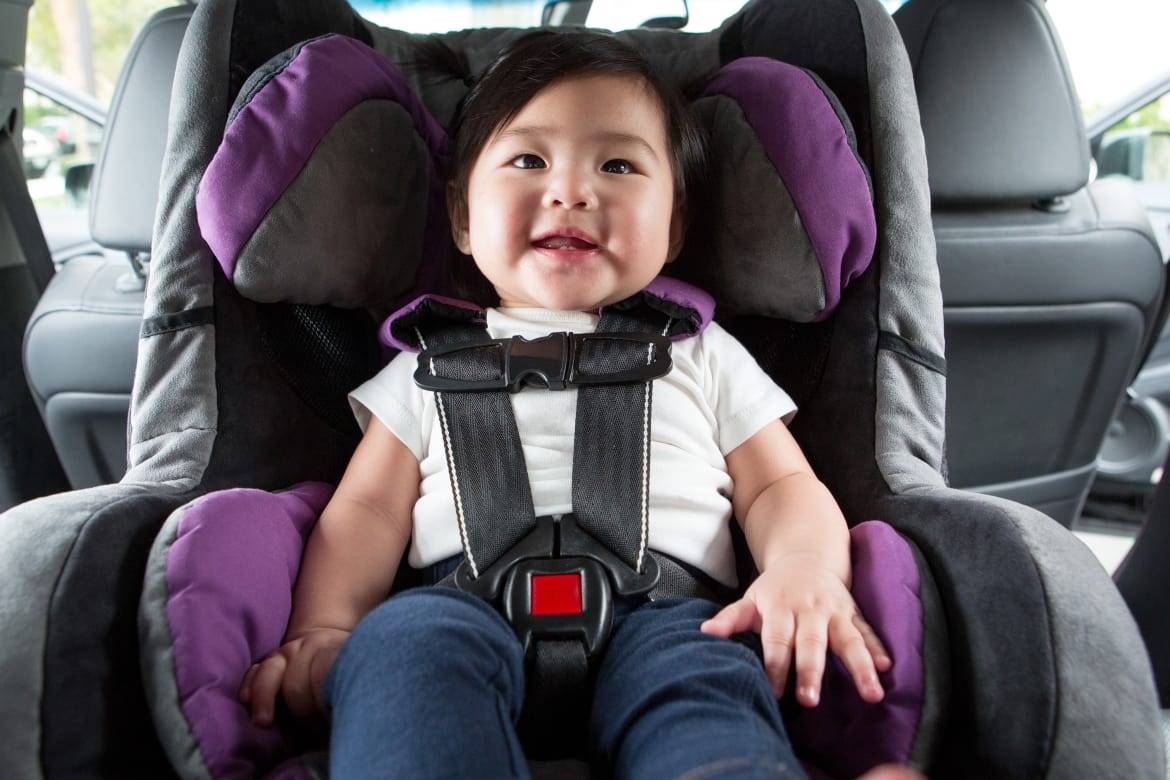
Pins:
x: 1002, y: 122
x: 327, y: 188
x: 126, y: 175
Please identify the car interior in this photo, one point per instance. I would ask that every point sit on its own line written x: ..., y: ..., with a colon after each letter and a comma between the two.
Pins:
x: 1011, y: 342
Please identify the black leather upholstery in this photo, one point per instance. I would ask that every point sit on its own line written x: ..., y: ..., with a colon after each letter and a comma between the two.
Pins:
x: 1051, y: 285
x: 81, y: 342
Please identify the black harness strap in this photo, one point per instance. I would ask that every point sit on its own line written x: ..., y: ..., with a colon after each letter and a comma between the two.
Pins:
x: 485, y: 461
x: 611, y: 446
x: 610, y: 484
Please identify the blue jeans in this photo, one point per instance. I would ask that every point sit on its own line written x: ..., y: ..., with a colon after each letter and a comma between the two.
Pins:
x: 431, y: 684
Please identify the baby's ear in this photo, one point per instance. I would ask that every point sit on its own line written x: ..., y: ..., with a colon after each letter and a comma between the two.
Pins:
x: 678, y: 231
x: 457, y: 215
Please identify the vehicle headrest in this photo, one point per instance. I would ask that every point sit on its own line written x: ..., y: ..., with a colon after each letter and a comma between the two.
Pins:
x: 327, y: 187
x: 126, y: 175
x: 999, y: 110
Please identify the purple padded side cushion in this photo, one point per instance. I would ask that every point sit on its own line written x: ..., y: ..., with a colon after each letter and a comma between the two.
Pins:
x: 230, y: 577
x: 843, y: 735
x: 806, y: 142
x: 230, y: 574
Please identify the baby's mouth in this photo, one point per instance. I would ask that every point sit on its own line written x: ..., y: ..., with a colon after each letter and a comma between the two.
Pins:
x: 564, y: 243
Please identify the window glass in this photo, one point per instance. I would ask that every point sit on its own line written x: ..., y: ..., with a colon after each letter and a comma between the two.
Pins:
x: 425, y: 16
x: 1114, y: 48
x: 74, y: 52
x: 434, y: 16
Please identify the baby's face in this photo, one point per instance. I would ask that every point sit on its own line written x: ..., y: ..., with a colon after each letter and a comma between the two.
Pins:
x: 587, y: 153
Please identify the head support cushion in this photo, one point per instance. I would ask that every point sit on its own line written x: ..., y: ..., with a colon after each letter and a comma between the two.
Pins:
x: 327, y: 188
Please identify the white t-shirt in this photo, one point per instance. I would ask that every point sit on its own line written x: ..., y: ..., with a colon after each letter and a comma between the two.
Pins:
x: 714, y: 399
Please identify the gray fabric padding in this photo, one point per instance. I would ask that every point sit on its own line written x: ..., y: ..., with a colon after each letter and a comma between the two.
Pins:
x: 936, y: 668
x: 910, y: 405
x: 1166, y: 738
x: 1104, y: 675
x: 157, y: 659
x: 180, y: 400
x: 908, y: 441
x: 346, y: 232
x: 35, y: 542
x: 762, y: 261
x: 180, y: 366
x: 1011, y: 127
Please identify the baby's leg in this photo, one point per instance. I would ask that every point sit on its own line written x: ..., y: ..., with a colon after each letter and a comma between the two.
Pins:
x: 430, y: 684
x: 672, y: 701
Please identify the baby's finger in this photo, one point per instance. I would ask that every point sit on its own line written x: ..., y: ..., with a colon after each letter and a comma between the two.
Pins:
x: 847, y: 642
x: 776, y: 639
x: 245, y: 692
x: 811, y: 645
x: 881, y: 656
x: 737, y: 616
x: 264, y: 687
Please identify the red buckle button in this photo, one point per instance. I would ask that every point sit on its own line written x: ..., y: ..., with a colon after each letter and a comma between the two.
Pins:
x: 556, y: 594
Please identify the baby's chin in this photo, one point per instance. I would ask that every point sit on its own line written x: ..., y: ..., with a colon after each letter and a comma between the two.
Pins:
x: 557, y: 300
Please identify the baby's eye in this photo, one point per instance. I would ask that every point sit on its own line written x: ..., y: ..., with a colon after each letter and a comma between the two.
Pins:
x: 527, y: 156
x: 629, y: 168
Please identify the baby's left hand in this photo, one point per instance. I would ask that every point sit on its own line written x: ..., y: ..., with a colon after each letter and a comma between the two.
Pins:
x: 798, y: 603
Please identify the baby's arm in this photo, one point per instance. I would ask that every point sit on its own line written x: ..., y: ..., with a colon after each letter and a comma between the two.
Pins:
x: 353, y: 553
x: 800, y: 543
x: 348, y: 568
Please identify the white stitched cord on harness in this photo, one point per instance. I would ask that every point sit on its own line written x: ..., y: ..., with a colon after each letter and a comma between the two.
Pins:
x: 447, y: 450
x: 646, y: 458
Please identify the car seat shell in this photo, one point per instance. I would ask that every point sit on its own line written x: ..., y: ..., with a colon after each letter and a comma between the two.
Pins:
x: 73, y: 562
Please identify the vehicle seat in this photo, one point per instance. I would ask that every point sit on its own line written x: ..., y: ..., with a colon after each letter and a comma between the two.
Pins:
x: 235, y: 396
x: 82, y: 339
x: 1052, y: 285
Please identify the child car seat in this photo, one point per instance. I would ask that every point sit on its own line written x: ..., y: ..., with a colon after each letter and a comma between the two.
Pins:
x: 220, y: 377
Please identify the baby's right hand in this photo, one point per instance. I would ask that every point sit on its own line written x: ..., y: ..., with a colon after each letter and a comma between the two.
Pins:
x: 297, y: 669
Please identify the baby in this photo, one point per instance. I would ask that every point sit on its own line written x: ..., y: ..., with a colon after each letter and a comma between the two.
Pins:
x: 572, y: 134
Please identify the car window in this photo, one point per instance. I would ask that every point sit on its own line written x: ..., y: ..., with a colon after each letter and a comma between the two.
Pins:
x: 74, y: 52
x: 1112, y: 49
x: 429, y: 16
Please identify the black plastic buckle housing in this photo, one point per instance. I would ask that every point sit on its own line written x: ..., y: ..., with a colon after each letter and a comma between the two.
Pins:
x: 559, y: 547
x: 550, y: 361
x: 592, y: 624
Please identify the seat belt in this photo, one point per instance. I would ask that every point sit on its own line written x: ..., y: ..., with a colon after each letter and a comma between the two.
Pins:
x: 17, y: 203
x: 554, y: 578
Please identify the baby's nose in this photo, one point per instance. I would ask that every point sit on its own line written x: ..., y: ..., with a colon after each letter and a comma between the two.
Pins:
x: 580, y: 203
x: 571, y: 192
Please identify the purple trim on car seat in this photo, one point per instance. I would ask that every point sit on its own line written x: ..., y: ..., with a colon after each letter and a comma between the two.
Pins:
x: 804, y: 139
x: 272, y: 137
x: 886, y: 587
x: 386, y: 332
x: 694, y: 298
x: 230, y: 574
x: 698, y: 301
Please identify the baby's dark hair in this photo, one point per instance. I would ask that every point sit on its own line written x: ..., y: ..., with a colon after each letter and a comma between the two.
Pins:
x: 534, y: 61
